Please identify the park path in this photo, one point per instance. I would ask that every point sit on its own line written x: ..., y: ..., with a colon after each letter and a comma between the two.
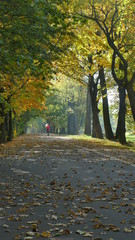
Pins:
x: 64, y: 189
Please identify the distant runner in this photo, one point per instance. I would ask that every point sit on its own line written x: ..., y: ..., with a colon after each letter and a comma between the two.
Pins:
x: 47, y: 128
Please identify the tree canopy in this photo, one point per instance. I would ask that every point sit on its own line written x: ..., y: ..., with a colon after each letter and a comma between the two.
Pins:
x: 43, y: 40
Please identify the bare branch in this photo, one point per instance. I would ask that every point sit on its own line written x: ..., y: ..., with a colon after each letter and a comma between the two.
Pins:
x: 113, y: 17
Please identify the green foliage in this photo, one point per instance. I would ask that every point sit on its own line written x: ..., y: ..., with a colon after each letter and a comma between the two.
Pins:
x: 58, y: 108
x: 130, y: 137
x: 30, y: 33
x: 39, y: 39
x: 36, y: 125
x: 27, y: 34
x: 21, y: 122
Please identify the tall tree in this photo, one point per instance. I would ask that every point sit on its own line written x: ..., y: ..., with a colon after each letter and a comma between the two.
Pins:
x: 29, y: 33
x: 121, y: 128
x: 97, y: 130
x: 66, y: 105
x: 106, y: 117
x: 88, y: 118
x: 111, y: 18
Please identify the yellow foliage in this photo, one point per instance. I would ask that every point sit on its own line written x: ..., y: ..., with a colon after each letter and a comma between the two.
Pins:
x: 25, y: 93
x: 45, y: 234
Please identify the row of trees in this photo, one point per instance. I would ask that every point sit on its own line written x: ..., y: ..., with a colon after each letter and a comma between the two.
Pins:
x: 67, y: 112
x: 86, y: 41
x: 106, y: 44
x: 66, y: 107
x: 31, y: 35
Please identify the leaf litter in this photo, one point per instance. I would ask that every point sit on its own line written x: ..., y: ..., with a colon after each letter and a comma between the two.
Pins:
x: 57, y: 195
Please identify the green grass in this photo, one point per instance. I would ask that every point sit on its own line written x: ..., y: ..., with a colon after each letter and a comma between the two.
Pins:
x: 104, y: 142
x: 130, y: 137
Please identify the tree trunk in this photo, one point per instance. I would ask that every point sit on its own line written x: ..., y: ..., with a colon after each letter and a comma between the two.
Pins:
x: 96, y: 123
x: 72, y: 121
x: 7, y: 123
x: 57, y: 131
x: 93, y: 128
x: 72, y: 124
x: 2, y: 119
x: 2, y: 125
x: 10, y: 134
x: 62, y: 130
x: 53, y: 129
x: 87, y: 130
x: 131, y: 96
x: 121, y: 129
x: 106, y: 117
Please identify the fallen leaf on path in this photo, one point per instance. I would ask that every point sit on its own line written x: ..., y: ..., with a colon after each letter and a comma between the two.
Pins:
x: 11, y: 218
x: 45, y: 234
x: 5, y: 226
x: 65, y: 231
x: 122, y: 221
x: 28, y: 238
x: 98, y: 225
x: 30, y: 233
x: 54, y: 217
x: 127, y: 230
x: 85, y: 234
x: 17, y: 237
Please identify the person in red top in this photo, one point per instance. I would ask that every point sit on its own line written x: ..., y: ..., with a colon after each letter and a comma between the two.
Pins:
x: 47, y: 128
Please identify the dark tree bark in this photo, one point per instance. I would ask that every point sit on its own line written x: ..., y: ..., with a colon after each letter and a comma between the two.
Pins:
x: 7, y: 123
x: 106, y: 117
x: 72, y: 120
x: 10, y: 133
x: 131, y: 95
x: 2, y: 120
x: 96, y: 123
x: 93, y: 129
x: 121, y: 129
x: 62, y: 130
x: 124, y: 82
x: 112, y: 36
x: 2, y: 125
x: 53, y: 129
x: 57, y: 131
x: 88, y: 118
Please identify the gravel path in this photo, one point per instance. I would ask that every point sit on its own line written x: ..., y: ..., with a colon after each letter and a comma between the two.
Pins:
x: 64, y: 189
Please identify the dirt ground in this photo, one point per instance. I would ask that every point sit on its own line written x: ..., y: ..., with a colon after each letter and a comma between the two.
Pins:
x: 63, y: 189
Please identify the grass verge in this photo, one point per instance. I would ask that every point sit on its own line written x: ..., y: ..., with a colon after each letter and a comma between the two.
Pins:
x: 105, y: 142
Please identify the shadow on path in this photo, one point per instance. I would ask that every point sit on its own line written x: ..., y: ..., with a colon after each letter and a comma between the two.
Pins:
x: 59, y: 188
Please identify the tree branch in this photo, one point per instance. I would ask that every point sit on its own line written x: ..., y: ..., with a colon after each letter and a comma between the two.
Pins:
x: 132, y: 80
x: 113, y: 69
x: 113, y: 22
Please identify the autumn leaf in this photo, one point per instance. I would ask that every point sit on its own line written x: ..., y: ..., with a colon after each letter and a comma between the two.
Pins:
x: 17, y: 237
x: 5, y: 226
x: 11, y: 218
x: 85, y: 234
x: 54, y: 217
x: 65, y: 232
x: 98, y: 225
x: 127, y: 230
x: 30, y: 233
x: 122, y: 221
x: 45, y: 234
